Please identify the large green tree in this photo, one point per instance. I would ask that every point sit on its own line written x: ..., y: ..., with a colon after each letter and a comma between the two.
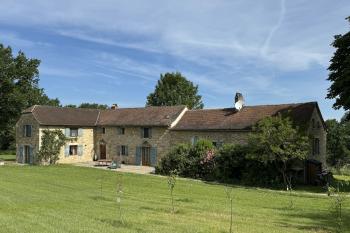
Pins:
x: 339, y: 72
x: 338, y: 142
x: 19, y: 77
x: 175, y: 89
x: 88, y: 105
x: 275, y: 140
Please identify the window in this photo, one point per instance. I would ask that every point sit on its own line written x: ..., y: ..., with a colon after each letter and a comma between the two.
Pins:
x: 27, y: 130
x: 122, y: 150
x: 73, y: 150
x: 103, y: 130
x: 316, y: 147
x: 194, y: 140
x: 146, y: 133
x: 121, y: 131
x: 73, y: 132
x: 318, y: 125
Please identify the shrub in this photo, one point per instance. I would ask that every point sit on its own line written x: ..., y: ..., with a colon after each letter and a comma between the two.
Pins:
x: 230, y: 162
x: 176, y: 159
x: 189, y: 161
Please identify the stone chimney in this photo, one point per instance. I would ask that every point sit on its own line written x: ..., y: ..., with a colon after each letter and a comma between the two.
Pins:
x: 114, y: 106
x: 239, y: 101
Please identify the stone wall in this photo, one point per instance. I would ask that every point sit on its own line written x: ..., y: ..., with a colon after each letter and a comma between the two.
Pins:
x: 318, y: 131
x: 86, y: 141
x: 239, y: 137
x: 33, y: 141
x: 132, y: 138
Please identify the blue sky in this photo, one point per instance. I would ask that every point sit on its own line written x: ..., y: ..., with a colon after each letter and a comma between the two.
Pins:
x: 273, y: 51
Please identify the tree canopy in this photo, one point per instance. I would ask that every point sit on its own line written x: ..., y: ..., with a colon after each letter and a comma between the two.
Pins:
x: 175, y: 89
x: 339, y: 72
x: 338, y: 142
x: 275, y: 140
x: 19, y: 78
x: 88, y: 105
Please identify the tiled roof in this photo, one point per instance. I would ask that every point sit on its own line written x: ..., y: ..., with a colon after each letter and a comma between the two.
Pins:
x: 231, y: 119
x: 148, y: 116
x: 204, y: 119
x: 56, y: 116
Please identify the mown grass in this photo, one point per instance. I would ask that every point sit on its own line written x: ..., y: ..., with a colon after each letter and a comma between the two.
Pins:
x: 8, y: 155
x: 68, y: 199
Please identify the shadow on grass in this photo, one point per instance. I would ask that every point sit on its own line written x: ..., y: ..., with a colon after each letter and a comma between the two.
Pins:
x: 186, y: 200
x: 101, y: 198
x: 163, y: 210
x: 322, y: 221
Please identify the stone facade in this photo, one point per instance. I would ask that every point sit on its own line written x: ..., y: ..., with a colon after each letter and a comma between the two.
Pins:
x: 90, y: 140
x: 22, y: 140
x: 132, y: 138
x: 218, y: 137
x: 317, y: 131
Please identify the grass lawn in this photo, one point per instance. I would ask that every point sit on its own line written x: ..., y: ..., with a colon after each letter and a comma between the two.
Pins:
x: 7, y: 155
x: 68, y: 199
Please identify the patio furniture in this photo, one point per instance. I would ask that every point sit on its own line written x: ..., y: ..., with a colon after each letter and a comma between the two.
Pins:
x: 103, y: 162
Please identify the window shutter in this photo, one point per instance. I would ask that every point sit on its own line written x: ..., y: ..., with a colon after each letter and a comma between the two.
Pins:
x: 118, y: 150
x: 150, y: 132
x: 20, y: 158
x: 126, y: 150
x: 80, y: 132
x: 153, y: 156
x: 31, y: 157
x: 24, y: 130
x: 67, y: 132
x: 80, y: 150
x: 66, y: 151
x: 138, y: 156
x: 30, y: 130
x: 141, y: 132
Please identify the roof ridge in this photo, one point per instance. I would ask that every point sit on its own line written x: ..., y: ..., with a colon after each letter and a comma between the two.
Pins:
x: 250, y: 106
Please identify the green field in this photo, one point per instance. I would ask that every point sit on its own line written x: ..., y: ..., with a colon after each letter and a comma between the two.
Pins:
x: 7, y: 155
x: 69, y: 199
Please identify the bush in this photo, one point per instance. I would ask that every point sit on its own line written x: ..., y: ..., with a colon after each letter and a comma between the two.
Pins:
x: 230, y: 162
x: 190, y: 161
x: 176, y: 159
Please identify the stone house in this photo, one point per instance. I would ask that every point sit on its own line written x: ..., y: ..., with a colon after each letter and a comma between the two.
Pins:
x: 141, y: 136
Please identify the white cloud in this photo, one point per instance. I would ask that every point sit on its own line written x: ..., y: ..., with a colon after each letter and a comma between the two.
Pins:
x: 208, y: 33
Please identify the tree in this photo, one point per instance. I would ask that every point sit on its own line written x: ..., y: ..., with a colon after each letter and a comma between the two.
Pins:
x: 19, y: 77
x: 174, y: 89
x: 93, y: 105
x: 52, y: 142
x: 338, y: 142
x: 275, y: 140
x: 340, y: 72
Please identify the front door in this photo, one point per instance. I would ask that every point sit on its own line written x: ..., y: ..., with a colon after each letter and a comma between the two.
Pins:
x: 102, y: 151
x: 146, y: 156
x: 26, y: 154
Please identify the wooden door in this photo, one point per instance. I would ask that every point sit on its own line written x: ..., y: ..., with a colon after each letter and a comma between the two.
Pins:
x: 26, y: 154
x: 102, y: 151
x: 146, y: 156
